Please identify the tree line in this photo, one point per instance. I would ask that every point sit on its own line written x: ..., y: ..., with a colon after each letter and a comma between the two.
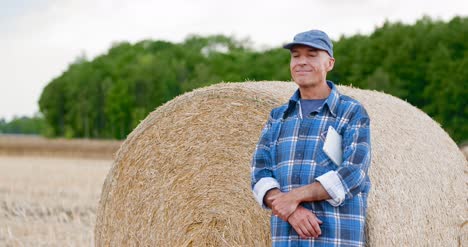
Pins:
x: 23, y: 125
x: 106, y: 97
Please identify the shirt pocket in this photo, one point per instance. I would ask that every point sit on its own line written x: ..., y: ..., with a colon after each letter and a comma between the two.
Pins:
x: 321, y: 158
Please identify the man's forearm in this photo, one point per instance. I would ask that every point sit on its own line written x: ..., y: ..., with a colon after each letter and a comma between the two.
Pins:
x: 284, y: 204
x: 311, y: 193
x: 308, y: 193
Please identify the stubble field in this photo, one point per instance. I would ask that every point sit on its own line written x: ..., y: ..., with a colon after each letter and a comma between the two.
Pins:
x: 50, y: 200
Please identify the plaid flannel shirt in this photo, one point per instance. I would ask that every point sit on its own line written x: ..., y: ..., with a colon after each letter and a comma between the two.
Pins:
x: 289, y: 155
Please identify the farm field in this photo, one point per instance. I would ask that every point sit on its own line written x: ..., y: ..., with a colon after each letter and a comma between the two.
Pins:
x: 19, y: 145
x: 49, y: 200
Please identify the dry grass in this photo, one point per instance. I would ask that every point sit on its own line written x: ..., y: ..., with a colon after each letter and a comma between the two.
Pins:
x: 39, y: 146
x: 49, y: 201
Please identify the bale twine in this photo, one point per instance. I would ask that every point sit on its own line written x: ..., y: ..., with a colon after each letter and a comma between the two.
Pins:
x: 182, y: 177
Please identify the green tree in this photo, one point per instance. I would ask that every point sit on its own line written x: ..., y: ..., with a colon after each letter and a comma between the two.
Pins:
x: 108, y: 96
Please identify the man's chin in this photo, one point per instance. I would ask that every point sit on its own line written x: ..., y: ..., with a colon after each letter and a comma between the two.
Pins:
x: 306, y: 84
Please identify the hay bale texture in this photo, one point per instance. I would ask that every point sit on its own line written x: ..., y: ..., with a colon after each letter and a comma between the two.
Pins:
x: 182, y: 177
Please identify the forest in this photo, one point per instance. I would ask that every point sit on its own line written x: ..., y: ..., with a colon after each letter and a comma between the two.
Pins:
x: 424, y: 63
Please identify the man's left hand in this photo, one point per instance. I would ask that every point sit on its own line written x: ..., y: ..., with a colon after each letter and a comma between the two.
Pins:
x: 284, y: 204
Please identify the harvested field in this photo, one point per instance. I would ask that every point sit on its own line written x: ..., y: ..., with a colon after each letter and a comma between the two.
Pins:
x: 17, y: 145
x: 49, y: 201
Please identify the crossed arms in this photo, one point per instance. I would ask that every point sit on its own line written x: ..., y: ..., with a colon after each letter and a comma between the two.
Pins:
x: 333, y: 186
x: 286, y: 206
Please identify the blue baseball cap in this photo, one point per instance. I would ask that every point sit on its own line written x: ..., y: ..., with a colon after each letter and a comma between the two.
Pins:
x: 313, y: 38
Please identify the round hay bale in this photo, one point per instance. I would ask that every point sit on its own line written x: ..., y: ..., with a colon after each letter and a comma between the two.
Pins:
x: 182, y: 177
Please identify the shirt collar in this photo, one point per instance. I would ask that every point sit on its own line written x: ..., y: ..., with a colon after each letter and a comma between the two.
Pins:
x: 331, y: 101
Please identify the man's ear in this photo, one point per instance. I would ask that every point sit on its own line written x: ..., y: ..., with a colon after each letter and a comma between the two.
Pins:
x: 331, y: 64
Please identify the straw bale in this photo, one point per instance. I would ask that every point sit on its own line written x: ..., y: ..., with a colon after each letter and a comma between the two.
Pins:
x: 182, y: 177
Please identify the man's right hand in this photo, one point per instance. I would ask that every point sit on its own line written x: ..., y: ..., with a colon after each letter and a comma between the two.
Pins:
x: 305, y: 223
x: 267, y: 198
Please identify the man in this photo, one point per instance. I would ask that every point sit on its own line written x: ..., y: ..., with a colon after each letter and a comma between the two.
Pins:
x: 314, y: 201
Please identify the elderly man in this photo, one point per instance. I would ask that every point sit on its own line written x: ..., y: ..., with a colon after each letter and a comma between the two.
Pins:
x: 314, y: 201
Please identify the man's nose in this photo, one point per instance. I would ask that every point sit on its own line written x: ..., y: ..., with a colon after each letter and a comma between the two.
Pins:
x: 301, y: 60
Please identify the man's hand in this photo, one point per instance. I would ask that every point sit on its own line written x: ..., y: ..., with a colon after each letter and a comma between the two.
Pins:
x: 305, y: 223
x: 284, y: 204
x: 267, y: 198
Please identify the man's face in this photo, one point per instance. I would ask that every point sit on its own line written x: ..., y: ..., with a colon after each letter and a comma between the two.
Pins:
x: 309, y: 66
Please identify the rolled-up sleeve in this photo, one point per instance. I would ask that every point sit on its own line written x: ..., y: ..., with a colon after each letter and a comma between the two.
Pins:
x: 334, y: 187
x: 262, y: 179
x: 353, y: 172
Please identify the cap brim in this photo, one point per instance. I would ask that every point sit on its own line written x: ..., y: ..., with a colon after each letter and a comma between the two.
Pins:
x: 290, y: 45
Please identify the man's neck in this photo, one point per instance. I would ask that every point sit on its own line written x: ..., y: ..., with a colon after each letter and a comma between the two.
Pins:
x: 320, y: 91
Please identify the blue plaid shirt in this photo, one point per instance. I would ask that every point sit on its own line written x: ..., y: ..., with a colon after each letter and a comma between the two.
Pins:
x: 289, y: 155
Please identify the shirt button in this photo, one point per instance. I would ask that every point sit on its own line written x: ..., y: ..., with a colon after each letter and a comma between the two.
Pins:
x: 299, y: 155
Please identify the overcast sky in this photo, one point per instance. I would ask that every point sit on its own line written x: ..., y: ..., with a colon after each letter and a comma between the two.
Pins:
x: 39, y: 38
